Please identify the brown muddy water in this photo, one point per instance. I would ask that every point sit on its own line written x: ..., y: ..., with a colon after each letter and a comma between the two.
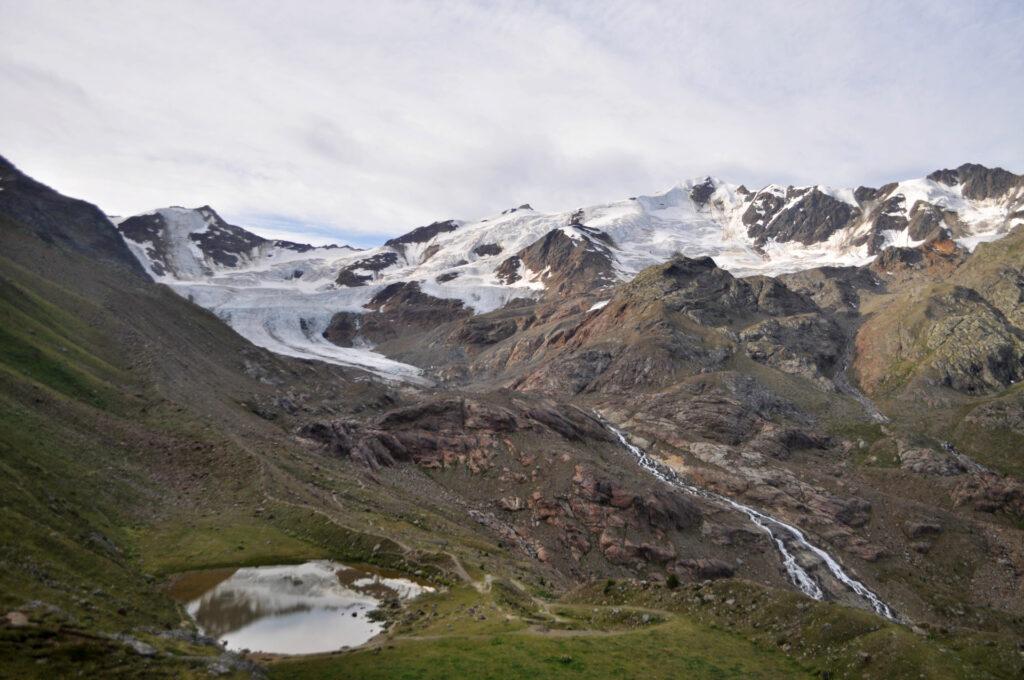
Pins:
x: 318, y: 606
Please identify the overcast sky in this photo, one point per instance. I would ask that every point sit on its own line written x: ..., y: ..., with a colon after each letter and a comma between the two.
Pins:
x: 357, y: 121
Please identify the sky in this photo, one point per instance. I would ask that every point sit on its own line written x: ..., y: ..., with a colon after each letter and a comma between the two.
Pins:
x: 354, y: 122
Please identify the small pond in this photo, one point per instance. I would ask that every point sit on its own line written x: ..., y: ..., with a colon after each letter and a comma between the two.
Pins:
x: 318, y: 606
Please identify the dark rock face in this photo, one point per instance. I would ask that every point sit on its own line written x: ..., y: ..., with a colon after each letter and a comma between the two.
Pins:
x: 595, y: 234
x: 812, y: 218
x: 61, y: 221
x: 508, y: 271
x: 928, y: 221
x: 344, y: 328
x: 148, y: 229
x: 889, y: 216
x: 774, y: 297
x: 711, y: 296
x: 978, y: 181
x: 762, y: 210
x: 832, y: 288
x: 701, y: 193
x: 223, y: 242
x: 808, y: 345
x: 486, y: 330
x: 939, y: 255
x: 572, y: 264
x: 423, y: 234
x: 487, y: 249
x: 400, y: 309
x: 864, y: 194
x: 695, y: 287
x: 524, y: 206
x: 447, y: 431
x: 353, y: 275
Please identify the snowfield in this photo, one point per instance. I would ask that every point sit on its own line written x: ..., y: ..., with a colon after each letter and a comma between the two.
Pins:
x: 281, y: 297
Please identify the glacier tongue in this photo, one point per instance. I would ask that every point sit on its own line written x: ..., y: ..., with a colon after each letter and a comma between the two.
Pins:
x: 291, y: 322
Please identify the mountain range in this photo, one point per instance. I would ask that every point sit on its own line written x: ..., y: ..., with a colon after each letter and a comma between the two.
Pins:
x: 283, y: 295
x: 724, y: 431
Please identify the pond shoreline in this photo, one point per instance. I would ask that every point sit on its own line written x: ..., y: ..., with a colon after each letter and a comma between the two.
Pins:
x: 276, y: 611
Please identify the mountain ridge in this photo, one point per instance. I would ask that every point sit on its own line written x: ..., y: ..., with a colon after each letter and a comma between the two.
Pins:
x: 521, y: 253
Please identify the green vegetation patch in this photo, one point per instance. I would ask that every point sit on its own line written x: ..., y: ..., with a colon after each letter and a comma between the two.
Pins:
x: 681, y: 649
x: 218, y: 542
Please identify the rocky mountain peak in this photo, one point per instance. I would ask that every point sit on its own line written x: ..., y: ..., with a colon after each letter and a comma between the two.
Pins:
x: 979, y: 182
x: 423, y: 234
x: 701, y: 193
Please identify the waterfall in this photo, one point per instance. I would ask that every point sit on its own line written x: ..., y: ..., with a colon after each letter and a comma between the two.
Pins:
x: 778, y: 530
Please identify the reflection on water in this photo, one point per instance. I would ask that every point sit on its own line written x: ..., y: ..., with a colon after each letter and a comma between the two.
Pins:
x: 296, y: 609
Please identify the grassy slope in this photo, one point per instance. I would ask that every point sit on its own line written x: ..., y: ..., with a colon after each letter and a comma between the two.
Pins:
x: 68, y: 479
x: 465, y: 633
x: 728, y: 629
x: 677, y: 649
x: 127, y: 453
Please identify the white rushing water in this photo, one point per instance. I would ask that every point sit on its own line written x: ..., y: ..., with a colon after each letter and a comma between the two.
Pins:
x: 779, y: 531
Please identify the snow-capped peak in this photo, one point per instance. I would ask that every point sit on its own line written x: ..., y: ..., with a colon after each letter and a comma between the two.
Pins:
x: 282, y: 295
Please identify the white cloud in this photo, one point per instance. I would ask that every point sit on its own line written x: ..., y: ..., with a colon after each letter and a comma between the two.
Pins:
x: 368, y: 119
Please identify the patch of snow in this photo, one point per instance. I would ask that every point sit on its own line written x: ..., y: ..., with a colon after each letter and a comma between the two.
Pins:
x: 899, y: 239
x: 844, y: 195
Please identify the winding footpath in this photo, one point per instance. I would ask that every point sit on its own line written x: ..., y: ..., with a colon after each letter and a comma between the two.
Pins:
x: 781, y: 533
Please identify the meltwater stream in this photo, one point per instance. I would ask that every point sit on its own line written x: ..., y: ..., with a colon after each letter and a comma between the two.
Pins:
x: 797, y: 574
